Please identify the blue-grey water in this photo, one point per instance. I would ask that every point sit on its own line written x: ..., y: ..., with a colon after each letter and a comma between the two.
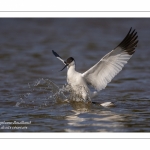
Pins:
x: 28, y: 69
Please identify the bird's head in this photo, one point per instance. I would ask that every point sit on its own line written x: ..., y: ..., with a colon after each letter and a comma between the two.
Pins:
x: 69, y: 62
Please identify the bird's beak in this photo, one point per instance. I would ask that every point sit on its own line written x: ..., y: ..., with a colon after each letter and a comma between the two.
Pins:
x: 64, y: 67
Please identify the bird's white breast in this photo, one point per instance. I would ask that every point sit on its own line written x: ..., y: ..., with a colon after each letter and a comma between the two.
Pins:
x: 74, y: 77
x: 77, y: 82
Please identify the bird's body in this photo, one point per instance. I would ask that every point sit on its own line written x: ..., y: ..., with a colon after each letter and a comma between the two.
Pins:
x: 102, y: 72
x: 77, y: 82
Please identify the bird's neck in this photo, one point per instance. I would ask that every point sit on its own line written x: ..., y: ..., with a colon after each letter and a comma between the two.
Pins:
x: 71, y: 68
x: 71, y: 75
x: 71, y: 72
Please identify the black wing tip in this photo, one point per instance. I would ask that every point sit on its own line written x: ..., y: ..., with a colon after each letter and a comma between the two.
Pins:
x: 53, y: 51
x: 55, y: 54
x: 130, y: 29
x: 129, y: 43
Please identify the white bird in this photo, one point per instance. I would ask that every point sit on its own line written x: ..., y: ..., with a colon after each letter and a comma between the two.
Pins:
x: 102, y: 72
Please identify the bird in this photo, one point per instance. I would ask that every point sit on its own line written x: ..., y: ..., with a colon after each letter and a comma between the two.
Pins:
x: 99, y: 75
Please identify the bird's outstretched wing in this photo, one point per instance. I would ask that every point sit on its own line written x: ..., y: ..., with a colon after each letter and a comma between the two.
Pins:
x: 112, y: 63
x: 56, y: 55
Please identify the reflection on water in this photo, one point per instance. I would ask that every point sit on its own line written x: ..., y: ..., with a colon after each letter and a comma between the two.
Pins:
x: 94, y: 121
x: 32, y: 86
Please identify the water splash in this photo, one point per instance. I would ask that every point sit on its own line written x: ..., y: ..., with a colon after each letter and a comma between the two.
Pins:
x: 41, y: 93
x: 76, y: 95
x: 44, y: 92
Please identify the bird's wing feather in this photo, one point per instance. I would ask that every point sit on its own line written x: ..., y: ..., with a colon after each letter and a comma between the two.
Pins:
x: 112, y: 63
x: 56, y: 55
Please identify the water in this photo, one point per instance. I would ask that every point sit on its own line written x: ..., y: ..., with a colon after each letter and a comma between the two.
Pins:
x: 28, y: 70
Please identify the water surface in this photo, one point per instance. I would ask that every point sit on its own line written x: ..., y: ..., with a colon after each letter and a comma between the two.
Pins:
x: 28, y: 67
